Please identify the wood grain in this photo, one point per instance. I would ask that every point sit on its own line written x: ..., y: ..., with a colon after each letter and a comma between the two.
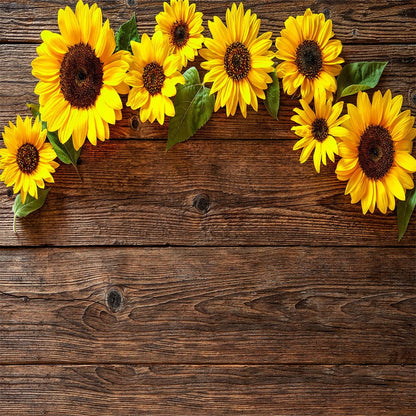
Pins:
x: 17, y: 85
x: 201, y: 193
x: 383, y: 21
x: 207, y: 390
x: 217, y: 305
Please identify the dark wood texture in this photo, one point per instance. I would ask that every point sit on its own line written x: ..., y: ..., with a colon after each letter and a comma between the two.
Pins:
x: 220, y: 278
x: 217, y: 305
x: 207, y: 390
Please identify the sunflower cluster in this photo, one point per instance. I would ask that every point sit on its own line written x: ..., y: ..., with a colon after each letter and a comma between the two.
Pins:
x: 82, y: 73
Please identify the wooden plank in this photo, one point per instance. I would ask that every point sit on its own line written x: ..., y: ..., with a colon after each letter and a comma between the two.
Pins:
x: 17, y: 85
x: 207, y: 390
x: 217, y: 305
x: 203, y: 193
x: 355, y: 21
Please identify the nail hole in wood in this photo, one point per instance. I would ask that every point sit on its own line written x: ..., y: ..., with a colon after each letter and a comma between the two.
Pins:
x: 10, y: 192
x: 202, y: 203
x: 114, y: 300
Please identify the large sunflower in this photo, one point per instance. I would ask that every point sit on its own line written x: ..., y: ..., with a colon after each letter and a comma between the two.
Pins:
x: 376, y: 159
x: 153, y: 76
x: 27, y: 161
x: 319, y: 129
x: 183, y: 28
x: 237, y: 60
x: 80, y: 77
x: 311, y: 57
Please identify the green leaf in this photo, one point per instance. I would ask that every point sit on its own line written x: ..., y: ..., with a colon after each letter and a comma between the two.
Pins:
x: 31, y: 204
x: 359, y: 76
x: 127, y: 33
x: 404, y: 211
x: 193, y: 108
x: 272, y: 101
x: 34, y: 109
x: 65, y: 151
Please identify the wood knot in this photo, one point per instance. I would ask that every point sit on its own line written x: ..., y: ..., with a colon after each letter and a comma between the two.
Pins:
x: 10, y: 193
x: 414, y: 99
x: 326, y: 12
x: 354, y: 33
x: 130, y: 2
x: 201, y: 203
x: 114, y: 299
x: 134, y: 123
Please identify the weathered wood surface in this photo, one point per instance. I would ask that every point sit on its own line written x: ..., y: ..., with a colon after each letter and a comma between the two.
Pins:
x: 277, y: 297
x: 355, y: 21
x: 17, y: 85
x: 207, y: 390
x: 217, y: 305
x: 248, y: 192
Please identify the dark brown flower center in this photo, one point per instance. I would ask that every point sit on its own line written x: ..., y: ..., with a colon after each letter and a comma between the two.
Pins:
x: 376, y: 152
x: 179, y: 34
x: 153, y: 78
x: 27, y: 158
x: 320, y: 129
x: 81, y: 76
x: 237, y: 61
x: 309, y: 59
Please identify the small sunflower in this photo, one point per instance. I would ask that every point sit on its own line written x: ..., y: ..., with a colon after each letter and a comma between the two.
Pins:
x: 80, y: 76
x: 27, y: 161
x: 237, y: 60
x: 183, y: 27
x: 375, y: 155
x: 311, y: 57
x: 153, y: 76
x: 319, y: 129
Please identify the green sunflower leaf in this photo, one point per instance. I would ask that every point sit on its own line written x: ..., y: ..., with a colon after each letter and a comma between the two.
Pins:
x: 272, y: 101
x: 193, y: 108
x: 65, y: 151
x: 127, y: 33
x: 359, y: 76
x: 31, y: 204
x: 404, y: 211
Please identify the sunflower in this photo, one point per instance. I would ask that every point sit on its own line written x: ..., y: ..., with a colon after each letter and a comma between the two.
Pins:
x: 80, y: 76
x: 153, y: 76
x: 376, y: 159
x: 27, y: 161
x: 183, y: 27
x: 319, y: 129
x: 311, y: 57
x: 237, y: 60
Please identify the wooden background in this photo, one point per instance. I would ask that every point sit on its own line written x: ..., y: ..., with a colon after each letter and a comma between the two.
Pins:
x: 221, y: 277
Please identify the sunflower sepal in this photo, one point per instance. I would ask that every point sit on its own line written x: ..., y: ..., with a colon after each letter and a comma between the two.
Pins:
x: 359, y: 76
x: 30, y: 205
x: 272, y: 100
x: 126, y: 33
x: 194, y: 105
x: 65, y: 152
x: 405, y: 210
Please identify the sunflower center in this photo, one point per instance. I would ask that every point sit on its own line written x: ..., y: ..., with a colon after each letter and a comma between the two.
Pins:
x: 153, y: 78
x: 81, y: 76
x: 320, y: 129
x: 309, y: 59
x: 27, y: 158
x: 180, y: 34
x: 237, y: 61
x: 376, y: 152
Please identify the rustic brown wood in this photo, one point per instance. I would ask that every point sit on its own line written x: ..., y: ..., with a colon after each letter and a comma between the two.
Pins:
x: 289, y: 302
x: 17, y: 85
x: 255, y: 193
x: 355, y: 21
x: 207, y: 390
x: 217, y: 305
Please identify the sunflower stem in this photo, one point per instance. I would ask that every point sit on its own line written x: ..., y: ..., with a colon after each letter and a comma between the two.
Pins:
x: 14, y: 223
x: 77, y: 171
